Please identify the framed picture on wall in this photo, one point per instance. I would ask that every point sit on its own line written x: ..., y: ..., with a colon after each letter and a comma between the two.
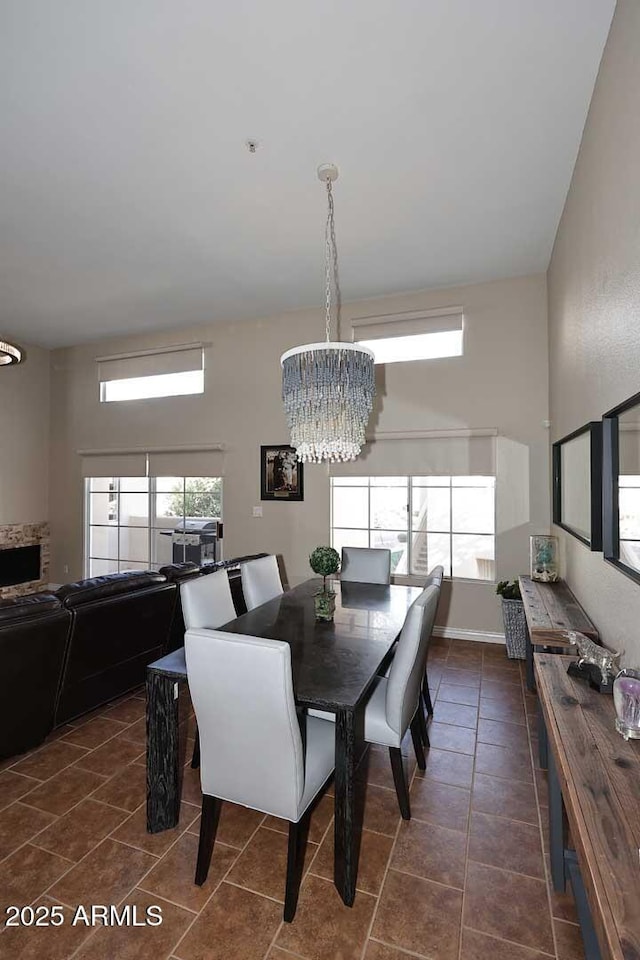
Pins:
x: 281, y: 475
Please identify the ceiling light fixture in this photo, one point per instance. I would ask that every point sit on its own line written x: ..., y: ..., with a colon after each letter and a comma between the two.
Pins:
x: 328, y: 388
x: 9, y: 354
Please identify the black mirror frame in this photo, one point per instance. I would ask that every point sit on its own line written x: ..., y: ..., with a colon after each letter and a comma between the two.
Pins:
x: 610, y: 471
x: 594, y: 428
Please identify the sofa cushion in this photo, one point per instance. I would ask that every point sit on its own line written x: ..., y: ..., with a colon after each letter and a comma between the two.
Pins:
x: 32, y: 605
x: 109, y: 585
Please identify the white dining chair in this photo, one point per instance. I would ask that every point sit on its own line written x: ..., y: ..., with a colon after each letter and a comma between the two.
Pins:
x: 366, y: 565
x: 254, y: 755
x: 207, y: 601
x: 394, y: 704
x: 260, y: 581
x: 434, y: 578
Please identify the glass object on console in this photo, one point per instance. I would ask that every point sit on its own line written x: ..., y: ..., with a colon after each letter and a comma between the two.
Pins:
x: 544, y: 553
x: 626, y: 698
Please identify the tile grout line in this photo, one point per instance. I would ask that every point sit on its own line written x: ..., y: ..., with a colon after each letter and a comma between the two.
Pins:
x: 468, y: 843
x: 174, y: 950
x: 393, y: 847
x: 306, y: 874
x: 59, y: 817
x: 152, y: 893
x: 542, y: 839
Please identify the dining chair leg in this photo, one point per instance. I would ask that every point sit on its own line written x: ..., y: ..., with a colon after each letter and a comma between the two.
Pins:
x: 195, y: 759
x: 422, y: 721
x: 426, y: 693
x: 295, y: 861
x: 211, y: 807
x: 397, y: 767
x: 417, y: 741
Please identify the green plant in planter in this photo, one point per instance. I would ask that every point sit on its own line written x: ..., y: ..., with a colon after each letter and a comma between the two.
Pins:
x: 509, y: 590
x: 325, y: 561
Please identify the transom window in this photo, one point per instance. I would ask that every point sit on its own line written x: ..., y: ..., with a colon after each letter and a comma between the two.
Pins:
x: 424, y: 521
x: 421, y: 335
x: 130, y: 521
x: 166, y: 372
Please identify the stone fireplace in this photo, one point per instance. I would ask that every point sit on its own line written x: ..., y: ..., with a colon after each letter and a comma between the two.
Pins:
x: 20, y: 535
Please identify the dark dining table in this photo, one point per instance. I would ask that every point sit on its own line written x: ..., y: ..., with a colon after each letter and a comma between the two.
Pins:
x: 333, y: 664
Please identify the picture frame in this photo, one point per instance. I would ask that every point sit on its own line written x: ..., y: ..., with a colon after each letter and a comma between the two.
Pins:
x: 577, y: 484
x: 281, y: 473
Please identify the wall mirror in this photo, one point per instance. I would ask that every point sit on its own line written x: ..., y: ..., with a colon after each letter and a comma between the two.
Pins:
x: 621, y: 492
x: 577, y: 484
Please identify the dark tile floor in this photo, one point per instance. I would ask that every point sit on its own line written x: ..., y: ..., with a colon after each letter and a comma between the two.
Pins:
x: 465, y: 879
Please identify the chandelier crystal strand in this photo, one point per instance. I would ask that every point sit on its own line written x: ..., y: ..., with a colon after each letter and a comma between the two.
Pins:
x: 328, y: 388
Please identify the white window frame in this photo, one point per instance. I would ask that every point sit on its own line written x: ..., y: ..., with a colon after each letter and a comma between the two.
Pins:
x: 365, y: 483
x: 151, y: 527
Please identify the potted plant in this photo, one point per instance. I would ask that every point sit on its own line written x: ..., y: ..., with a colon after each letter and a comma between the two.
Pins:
x: 325, y: 561
x: 515, y: 624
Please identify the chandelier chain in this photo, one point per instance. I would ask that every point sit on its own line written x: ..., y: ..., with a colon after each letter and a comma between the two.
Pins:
x: 329, y: 248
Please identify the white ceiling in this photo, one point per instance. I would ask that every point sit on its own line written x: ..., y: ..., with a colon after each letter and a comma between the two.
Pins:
x: 128, y: 201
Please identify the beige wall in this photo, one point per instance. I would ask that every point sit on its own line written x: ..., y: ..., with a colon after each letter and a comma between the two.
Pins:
x: 594, y: 302
x: 501, y: 382
x: 24, y: 433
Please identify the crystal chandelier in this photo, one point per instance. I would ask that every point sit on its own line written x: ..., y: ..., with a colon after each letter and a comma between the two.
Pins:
x: 328, y: 388
x: 9, y: 353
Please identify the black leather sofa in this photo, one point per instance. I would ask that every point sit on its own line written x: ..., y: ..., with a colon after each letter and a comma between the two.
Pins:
x: 34, y: 632
x: 67, y: 653
x: 120, y: 623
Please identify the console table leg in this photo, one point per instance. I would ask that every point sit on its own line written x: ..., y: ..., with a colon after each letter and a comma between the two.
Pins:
x: 543, y: 742
x: 589, y: 939
x: 557, y: 828
x: 531, y: 680
x: 163, y: 753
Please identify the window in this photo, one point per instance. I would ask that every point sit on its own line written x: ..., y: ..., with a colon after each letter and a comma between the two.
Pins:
x: 130, y: 521
x: 175, y: 371
x: 144, y: 388
x: 426, y: 335
x: 424, y: 521
x: 629, y: 520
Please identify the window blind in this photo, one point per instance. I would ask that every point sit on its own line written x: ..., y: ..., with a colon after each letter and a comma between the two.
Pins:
x: 196, y: 463
x: 113, y: 465
x: 452, y: 456
x: 149, y: 363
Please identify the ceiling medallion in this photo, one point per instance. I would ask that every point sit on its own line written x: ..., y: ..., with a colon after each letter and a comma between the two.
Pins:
x: 328, y: 388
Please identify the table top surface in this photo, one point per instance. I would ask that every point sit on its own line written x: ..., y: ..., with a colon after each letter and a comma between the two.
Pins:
x: 333, y: 663
x: 551, y: 609
x: 600, y: 777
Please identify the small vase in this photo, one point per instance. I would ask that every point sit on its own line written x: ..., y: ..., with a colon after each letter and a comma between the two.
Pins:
x: 626, y: 697
x: 325, y: 605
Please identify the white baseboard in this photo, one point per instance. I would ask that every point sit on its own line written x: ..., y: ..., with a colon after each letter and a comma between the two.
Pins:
x: 457, y: 633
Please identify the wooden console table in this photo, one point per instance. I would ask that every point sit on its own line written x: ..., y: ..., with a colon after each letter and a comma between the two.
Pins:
x: 594, y: 790
x: 550, y: 609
